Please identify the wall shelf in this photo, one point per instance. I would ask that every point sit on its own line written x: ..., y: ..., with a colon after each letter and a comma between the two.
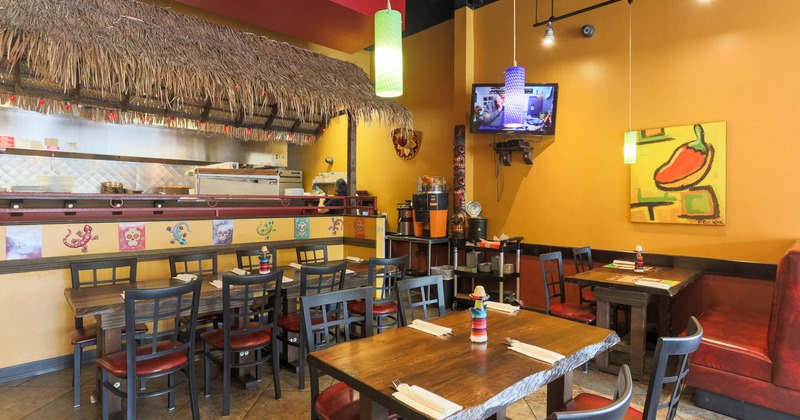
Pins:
x: 506, y: 152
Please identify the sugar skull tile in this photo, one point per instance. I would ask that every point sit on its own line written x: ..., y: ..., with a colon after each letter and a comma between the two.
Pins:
x: 131, y: 237
x: 23, y: 242
x: 302, y: 228
x: 359, y: 229
x: 222, y: 231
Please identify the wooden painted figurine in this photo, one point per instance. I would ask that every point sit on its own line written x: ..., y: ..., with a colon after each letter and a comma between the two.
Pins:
x: 478, y: 332
x: 639, y: 266
x: 263, y: 260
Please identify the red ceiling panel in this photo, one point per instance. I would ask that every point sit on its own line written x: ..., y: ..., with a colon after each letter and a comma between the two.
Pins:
x: 344, y: 25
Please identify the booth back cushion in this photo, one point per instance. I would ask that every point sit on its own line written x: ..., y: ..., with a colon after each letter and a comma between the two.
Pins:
x: 784, y: 323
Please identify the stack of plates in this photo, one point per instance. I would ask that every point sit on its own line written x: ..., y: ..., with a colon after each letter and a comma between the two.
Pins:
x: 55, y: 183
x: 27, y: 188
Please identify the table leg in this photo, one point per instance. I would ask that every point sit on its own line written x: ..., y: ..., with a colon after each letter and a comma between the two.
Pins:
x: 603, y: 321
x: 108, y: 341
x: 289, y: 353
x: 371, y: 410
x: 638, y: 329
x: 559, y: 392
x: 429, y: 258
x: 664, y: 321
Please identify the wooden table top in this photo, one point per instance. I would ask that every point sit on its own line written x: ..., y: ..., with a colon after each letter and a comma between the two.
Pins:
x: 483, y: 378
x: 93, y: 301
x: 616, y: 278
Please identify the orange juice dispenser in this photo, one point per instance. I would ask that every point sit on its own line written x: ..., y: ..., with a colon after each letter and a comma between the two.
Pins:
x: 430, y: 207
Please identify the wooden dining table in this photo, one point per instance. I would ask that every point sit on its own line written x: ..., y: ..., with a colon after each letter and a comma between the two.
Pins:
x: 483, y: 378
x: 615, y: 285
x: 106, y: 305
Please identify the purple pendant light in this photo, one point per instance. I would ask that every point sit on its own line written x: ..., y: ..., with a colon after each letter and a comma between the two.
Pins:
x: 514, y: 106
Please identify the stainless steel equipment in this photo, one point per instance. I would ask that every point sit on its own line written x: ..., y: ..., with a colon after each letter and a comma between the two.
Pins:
x: 289, y: 178
x: 405, y: 220
x: 236, y: 181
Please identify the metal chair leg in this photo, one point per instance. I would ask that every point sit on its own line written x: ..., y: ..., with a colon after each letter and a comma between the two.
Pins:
x: 206, y: 369
x: 76, y: 375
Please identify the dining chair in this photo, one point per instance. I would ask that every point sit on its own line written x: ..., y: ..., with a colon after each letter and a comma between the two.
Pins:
x: 582, y: 257
x: 260, y: 295
x: 164, y: 355
x: 313, y: 281
x: 198, y: 264
x: 670, y: 367
x: 420, y: 296
x: 382, y: 275
x: 331, y: 323
x: 553, y: 277
x: 93, y: 274
x: 595, y: 407
x: 249, y: 259
x: 310, y: 254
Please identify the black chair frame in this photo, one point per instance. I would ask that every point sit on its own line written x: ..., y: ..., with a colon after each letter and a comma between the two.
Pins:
x: 420, y: 292
x: 387, y: 272
x: 245, y: 298
x: 206, y: 263
x: 167, y: 305
x: 312, y: 254
x: 332, y: 323
x: 614, y: 411
x: 249, y: 259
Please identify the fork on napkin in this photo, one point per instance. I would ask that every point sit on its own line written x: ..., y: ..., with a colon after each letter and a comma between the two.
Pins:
x: 534, y: 351
x: 355, y: 259
x: 429, y: 328
x: 296, y: 266
x: 238, y: 271
x: 287, y: 279
x: 216, y: 283
x: 185, y: 277
x: 424, y: 401
x: 505, y: 307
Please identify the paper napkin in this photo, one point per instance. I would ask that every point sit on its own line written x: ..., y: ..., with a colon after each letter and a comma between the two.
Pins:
x: 185, y: 277
x: 425, y: 401
x: 216, y: 283
x: 505, y: 307
x: 349, y: 271
x: 287, y: 279
x: 535, y: 352
x: 295, y: 265
x: 123, y: 295
x: 661, y: 284
x: 429, y: 328
x: 355, y: 259
x: 239, y: 271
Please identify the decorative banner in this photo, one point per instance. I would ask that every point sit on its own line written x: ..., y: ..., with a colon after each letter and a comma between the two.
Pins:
x: 679, y: 175
x: 360, y: 230
x: 179, y: 233
x: 80, y: 239
x: 336, y: 225
x: 222, y: 232
x: 406, y: 146
x: 302, y: 228
x: 266, y: 228
x: 131, y: 236
x: 23, y: 242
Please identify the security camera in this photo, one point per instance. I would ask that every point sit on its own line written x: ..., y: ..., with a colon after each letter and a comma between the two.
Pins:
x: 587, y: 31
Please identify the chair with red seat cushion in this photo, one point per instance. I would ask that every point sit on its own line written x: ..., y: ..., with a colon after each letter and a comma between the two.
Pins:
x: 587, y: 406
x: 332, y: 322
x: 245, y: 298
x: 553, y: 277
x: 671, y: 358
x: 582, y: 257
x: 313, y: 280
x: 382, y: 275
x: 91, y: 274
x: 165, y: 355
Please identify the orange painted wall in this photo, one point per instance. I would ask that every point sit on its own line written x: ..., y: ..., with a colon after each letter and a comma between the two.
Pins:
x: 692, y: 62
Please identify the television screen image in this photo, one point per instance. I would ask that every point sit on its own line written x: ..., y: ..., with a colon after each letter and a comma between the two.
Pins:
x: 540, y: 109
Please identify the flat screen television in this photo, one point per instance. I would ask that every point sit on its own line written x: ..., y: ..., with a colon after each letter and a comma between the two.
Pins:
x: 540, y: 109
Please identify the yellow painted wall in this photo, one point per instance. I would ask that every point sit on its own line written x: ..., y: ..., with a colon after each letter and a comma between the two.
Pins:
x: 692, y: 62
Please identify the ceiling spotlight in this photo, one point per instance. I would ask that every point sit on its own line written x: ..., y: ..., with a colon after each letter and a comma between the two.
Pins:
x: 549, y: 36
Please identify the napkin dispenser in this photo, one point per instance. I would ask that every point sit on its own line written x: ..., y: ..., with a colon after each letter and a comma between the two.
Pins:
x: 474, y: 258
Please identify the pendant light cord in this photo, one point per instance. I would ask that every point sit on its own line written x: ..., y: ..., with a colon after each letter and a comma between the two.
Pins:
x: 630, y: 66
x: 515, y: 32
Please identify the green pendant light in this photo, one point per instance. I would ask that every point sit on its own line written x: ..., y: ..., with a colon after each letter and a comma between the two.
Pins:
x: 388, y: 53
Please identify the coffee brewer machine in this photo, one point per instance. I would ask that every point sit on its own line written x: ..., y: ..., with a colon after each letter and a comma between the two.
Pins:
x: 430, y: 207
x: 405, y: 219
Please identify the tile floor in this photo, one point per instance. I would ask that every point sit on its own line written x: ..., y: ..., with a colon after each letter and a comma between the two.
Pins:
x: 49, y: 396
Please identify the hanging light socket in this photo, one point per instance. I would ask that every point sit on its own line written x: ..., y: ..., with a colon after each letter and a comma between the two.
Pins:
x: 629, y: 147
x: 549, y: 35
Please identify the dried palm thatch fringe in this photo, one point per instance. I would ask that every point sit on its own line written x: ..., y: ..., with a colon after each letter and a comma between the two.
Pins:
x: 132, y: 58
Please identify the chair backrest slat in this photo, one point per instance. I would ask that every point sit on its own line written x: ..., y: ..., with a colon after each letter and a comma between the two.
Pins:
x: 383, y: 274
x: 331, y: 319
x: 420, y: 294
x: 245, y: 298
x: 102, y: 273
x: 614, y: 411
x: 553, y: 277
x: 315, y: 280
x: 198, y: 264
x: 311, y: 254
x: 249, y: 259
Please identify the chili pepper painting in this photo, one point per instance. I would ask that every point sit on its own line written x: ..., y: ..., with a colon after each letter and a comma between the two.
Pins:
x: 679, y: 175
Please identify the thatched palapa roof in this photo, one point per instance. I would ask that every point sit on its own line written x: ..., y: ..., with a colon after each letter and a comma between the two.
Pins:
x: 125, y: 61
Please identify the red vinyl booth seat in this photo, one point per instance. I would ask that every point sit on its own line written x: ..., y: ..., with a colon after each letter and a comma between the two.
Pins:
x: 753, y: 357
